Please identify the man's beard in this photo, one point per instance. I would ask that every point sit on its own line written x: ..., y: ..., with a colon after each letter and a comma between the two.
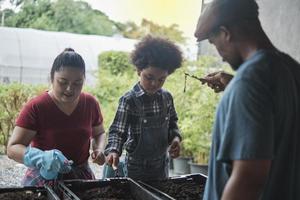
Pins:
x: 236, y: 64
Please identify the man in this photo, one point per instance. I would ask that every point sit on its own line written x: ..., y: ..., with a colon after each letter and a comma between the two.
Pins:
x: 255, y: 153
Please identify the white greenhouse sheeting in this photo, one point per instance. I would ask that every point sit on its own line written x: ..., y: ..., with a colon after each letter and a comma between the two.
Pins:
x: 26, y: 55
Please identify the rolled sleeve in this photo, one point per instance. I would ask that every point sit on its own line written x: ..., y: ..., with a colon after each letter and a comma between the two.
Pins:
x: 119, y: 128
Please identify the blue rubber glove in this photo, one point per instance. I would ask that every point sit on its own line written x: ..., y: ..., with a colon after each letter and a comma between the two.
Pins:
x: 49, y: 163
x: 33, y: 157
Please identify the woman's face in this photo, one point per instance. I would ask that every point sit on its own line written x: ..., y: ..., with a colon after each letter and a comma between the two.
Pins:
x: 67, y: 84
x: 152, y: 79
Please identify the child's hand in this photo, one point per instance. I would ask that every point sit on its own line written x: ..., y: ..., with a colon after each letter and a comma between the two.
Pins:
x: 112, y: 159
x: 174, y: 149
x: 98, y: 157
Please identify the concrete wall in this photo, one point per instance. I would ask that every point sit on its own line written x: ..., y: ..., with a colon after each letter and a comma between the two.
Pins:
x: 281, y: 21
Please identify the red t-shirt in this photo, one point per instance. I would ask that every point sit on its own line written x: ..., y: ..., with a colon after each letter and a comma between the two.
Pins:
x: 56, y: 130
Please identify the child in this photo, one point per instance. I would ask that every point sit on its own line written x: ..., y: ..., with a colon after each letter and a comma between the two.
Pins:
x: 146, y: 121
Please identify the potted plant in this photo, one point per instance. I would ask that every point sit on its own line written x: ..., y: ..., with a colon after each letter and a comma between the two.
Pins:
x: 181, y: 164
x: 200, y: 136
x: 199, y: 164
x: 196, y: 167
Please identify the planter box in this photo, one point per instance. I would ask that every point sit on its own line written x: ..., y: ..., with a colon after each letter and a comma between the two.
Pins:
x: 181, y: 165
x: 115, y: 188
x: 189, y: 186
x: 37, y: 193
x: 198, y: 168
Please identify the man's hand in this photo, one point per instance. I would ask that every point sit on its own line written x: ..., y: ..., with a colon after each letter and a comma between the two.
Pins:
x: 217, y: 80
x: 98, y: 157
x: 112, y: 159
x: 174, y: 149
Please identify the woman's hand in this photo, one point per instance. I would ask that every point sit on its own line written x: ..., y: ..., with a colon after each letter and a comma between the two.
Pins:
x: 98, y: 157
x: 174, y: 149
x: 49, y: 163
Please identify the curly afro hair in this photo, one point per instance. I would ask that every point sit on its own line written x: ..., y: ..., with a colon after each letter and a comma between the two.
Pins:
x: 156, y: 52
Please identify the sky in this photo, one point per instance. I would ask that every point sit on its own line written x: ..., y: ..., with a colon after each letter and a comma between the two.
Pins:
x: 185, y: 13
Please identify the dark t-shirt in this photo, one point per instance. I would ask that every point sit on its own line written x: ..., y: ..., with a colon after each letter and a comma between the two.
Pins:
x: 258, y: 118
x: 56, y: 130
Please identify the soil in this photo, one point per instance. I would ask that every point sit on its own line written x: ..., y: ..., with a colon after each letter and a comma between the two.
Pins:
x: 24, y: 195
x: 187, y: 190
x: 105, y: 193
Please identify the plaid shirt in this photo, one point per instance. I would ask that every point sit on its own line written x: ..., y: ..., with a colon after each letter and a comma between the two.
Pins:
x: 126, y: 127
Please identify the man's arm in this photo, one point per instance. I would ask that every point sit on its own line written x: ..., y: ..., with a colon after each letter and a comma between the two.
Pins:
x: 247, y: 179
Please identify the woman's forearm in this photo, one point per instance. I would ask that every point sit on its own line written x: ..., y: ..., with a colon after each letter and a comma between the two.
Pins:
x: 16, y: 152
x: 98, y: 142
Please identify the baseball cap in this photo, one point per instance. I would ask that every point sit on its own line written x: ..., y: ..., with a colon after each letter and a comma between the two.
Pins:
x: 224, y: 12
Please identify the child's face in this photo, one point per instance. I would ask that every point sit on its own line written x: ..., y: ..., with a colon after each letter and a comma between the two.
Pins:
x: 152, y: 79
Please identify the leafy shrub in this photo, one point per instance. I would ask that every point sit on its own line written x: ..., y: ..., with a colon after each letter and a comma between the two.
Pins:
x: 195, y: 107
x: 12, y: 98
x: 117, y: 62
x: 108, y: 90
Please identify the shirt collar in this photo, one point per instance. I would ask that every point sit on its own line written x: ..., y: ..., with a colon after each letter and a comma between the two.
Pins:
x: 139, y: 91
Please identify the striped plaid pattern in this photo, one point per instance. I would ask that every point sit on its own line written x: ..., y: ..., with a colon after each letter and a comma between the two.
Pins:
x: 126, y: 127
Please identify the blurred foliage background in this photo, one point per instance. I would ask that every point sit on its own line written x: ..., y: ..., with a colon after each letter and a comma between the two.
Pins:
x: 195, y: 107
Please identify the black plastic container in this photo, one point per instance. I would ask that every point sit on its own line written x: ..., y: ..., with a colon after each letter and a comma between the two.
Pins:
x: 28, y: 193
x: 184, y: 187
x: 114, y: 188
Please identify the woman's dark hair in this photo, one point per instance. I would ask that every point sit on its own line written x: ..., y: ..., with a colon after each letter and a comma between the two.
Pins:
x: 156, y: 52
x: 67, y: 58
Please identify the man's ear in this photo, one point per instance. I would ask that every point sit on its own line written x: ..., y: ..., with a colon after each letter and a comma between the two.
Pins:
x: 138, y: 71
x: 226, y: 33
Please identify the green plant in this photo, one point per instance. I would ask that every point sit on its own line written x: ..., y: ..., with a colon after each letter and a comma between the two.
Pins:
x: 12, y: 98
x: 109, y: 89
x: 117, y: 62
x: 195, y: 107
x: 60, y: 15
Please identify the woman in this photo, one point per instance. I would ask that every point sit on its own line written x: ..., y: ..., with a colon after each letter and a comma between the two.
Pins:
x: 54, y: 130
